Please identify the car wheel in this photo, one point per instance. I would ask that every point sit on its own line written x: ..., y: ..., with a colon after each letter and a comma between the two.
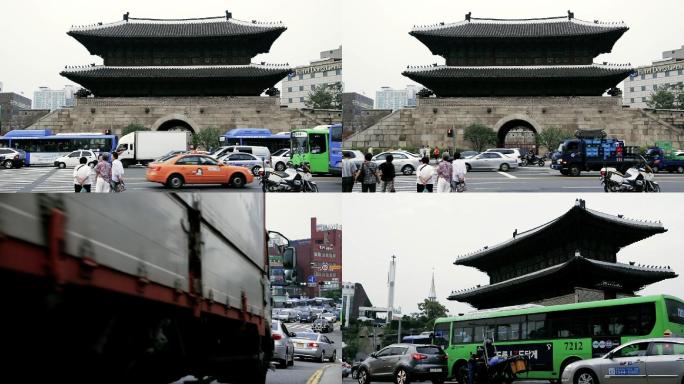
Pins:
x: 61, y: 165
x: 333, y: 357
x: 564, y: 172
x: 655, y: 169
x: 407, y: 170
x: 504, y: 167
x: 460, y: 372
x: 401, y: 377
x: 575, y: 171
x: 238, y: 181
x: 255, y: 170
x: 280, y: 166
x: 291, y: 363
x: 680, y: 169
x: 565, y: 364
x: 321, y: 358
x: 7, y: 164
x: 585, y: 376
x: 175, y: 181
x: 363, y: 377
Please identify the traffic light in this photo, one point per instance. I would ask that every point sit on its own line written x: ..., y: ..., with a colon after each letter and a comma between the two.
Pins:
x: 289, y: 264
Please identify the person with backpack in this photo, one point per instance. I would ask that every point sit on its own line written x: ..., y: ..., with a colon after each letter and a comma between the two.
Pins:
x: 82, y: 176
x: 368, y: 174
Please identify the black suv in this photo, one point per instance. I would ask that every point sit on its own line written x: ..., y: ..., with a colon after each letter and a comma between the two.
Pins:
x: 403, y: 363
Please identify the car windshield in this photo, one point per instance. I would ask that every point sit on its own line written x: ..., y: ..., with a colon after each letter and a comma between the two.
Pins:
x: 307, y: 335
x: 279, y: 152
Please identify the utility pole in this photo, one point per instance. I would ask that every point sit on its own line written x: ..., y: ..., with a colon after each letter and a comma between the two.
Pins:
x: 390, y: 282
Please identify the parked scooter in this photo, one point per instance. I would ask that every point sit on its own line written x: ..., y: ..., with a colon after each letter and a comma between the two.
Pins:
x: 290, y: 180
x: 639, y: 178
x: 486, y: 367
x: 532, y: 159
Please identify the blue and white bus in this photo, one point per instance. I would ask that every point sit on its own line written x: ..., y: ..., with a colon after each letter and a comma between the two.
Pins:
x: 42, y: 147
x: 256, y: 136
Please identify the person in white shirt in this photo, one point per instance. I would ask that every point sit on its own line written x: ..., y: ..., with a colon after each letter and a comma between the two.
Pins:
x: 82, y: 176
x: 459, y: 172
x: 426, y: 174
x: 117, y: 172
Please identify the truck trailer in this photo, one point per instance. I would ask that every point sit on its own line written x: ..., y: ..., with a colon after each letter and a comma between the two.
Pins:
x: 146, y: 146
x: 135, y: 288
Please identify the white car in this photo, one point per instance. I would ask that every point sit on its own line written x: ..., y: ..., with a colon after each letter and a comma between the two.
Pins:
x: 491, y: 160
x: 510, y: 152
x: 280, y: 158
x: 73, y: 159
x: 246, y: 160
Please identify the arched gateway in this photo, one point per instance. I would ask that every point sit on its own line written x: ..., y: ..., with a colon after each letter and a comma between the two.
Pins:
x: 175, y: 123
x: 517, y: 132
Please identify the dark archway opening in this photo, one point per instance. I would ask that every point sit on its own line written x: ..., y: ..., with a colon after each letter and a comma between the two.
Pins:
x: 517, y: 134
x: 176, y: 125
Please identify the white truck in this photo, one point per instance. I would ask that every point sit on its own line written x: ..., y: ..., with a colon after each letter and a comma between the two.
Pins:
x: 145, y: 146
x: 135, y: 288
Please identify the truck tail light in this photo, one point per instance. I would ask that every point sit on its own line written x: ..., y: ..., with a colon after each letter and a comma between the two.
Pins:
x: 277, y: 336
x: 418, y: 356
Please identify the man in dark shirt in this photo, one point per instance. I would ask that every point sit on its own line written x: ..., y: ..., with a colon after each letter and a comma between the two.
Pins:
x: 387, y: 178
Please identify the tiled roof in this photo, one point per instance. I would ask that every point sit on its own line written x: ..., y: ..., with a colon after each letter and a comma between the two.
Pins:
x: 648, y: 228
x: 547, y: 71
x: 191, y: 28
x: 226, y: 71
x: 526, y: 28
x: 645, y: 274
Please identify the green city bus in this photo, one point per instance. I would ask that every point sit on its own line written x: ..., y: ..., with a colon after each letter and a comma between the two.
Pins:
x: 320, y: 146
x: 555, y: 336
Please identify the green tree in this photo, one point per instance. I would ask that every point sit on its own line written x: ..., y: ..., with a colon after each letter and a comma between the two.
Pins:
x: 667, y: 97
x: 325, y: 96
x: 480, y: 136
x: 431, y: 310
x: 552, y: 137
x: 133, y: 127
x: 206, y: 138
x: 334, y: 294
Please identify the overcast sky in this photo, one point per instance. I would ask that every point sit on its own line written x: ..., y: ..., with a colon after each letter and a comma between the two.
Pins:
x: 35, y: 46
x: 290, y: 214
x: 378, y: 47
x: 427, y: 232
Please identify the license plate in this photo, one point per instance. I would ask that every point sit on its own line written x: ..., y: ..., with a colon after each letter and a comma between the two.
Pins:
x: 299, y: 345
x: 435, y: 369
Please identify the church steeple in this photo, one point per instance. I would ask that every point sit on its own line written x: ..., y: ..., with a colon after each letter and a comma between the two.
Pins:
x: 433, y: 293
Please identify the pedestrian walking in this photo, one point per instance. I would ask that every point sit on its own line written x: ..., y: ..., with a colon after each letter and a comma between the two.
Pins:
x: 459, y: 172
x: 349, y: 169
x: 444, y: 172
x: 425, y: 175
x: 82, y: 176
x: 117, y: 174
x: 103, y: 174
x: 435, y: 153
x: 368, y: 174
x: 387, y: 174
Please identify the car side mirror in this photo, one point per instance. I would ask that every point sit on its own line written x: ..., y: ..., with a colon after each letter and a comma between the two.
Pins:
x: 373, y: 355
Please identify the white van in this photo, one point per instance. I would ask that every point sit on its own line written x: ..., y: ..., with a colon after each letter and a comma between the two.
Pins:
x: 261, y: 152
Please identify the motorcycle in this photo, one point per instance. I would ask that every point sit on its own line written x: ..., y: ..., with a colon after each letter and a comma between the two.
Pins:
x: 641, y: 179
x: 487, y: 367
x: 531, y: 159
x: 290, y: 180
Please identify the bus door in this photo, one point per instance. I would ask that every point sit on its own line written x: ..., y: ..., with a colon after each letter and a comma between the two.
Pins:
x: 319, y: 152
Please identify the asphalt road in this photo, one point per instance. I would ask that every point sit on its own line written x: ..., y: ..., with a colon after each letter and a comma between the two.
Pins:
x: 50, y: 179
x: 535, y: 179
x: 309, y: 372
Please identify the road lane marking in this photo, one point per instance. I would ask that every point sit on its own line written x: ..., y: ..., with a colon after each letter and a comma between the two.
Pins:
x: 506, y: 174
x: 316, y: 377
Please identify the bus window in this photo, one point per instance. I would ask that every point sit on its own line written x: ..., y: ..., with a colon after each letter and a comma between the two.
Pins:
x: 462, y: 334
x: 536, y: 326
x: 675, y: 311
x: 441, y: 336
x: 318, y: 143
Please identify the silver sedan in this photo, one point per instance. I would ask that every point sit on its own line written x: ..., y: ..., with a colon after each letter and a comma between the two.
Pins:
x: 657, y: 361
x: 403, y: 162
x: 314, y: 346
x: 283, y: 348
x: 491, y: 160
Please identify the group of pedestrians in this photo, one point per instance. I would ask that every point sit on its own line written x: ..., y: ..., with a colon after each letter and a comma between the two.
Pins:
x: 108, y: 177
x: 449, y: 175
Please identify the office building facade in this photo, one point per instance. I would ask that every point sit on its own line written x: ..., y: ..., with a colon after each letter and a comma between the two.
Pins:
x: 646, y: 80
x: 327, y: 70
